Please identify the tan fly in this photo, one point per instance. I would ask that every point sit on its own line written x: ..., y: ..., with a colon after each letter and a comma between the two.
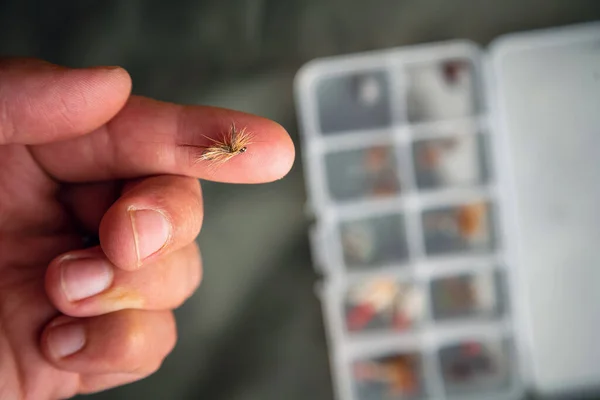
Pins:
x: 234, y: 142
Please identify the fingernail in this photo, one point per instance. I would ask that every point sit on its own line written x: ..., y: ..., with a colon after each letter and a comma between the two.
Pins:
x: 151, y: 230
x: 64, y: 340
x: 85, y: 277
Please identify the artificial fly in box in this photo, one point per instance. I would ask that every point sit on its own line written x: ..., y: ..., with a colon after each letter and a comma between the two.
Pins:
x: 234, y: 142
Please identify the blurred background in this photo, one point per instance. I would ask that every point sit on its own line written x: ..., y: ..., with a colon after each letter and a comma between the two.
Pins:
x: 254, y: 330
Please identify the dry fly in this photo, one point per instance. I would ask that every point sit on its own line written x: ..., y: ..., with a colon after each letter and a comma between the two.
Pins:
x: 234, y: 142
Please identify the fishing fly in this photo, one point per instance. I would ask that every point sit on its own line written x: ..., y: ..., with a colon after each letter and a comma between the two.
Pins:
x: 233, y: 143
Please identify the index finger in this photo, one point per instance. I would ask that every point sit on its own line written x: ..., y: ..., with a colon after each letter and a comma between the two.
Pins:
x: 149, y: 137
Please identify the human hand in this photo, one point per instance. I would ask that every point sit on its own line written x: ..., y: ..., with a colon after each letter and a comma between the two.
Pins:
x: 79, y: 155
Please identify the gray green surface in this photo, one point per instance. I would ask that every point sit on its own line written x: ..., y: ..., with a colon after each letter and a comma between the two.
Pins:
x: 254, y: 329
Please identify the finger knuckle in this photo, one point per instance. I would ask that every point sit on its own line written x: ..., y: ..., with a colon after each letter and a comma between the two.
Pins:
x: 132, y: 348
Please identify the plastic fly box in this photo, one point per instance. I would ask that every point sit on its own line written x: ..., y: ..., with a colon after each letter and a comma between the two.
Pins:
x: 410, y: 181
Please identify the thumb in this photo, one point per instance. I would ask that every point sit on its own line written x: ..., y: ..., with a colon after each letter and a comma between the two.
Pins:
x: 42, y: 102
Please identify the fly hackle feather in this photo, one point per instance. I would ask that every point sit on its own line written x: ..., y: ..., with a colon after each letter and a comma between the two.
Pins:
x: 233, y: 143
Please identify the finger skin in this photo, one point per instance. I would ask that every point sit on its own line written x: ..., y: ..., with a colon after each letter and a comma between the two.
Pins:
x: 42, y: 102
x: 128, y: 341
x: 88, y: 202
x: 16, y: 251
x: 94, y: 383
x: 130, y: 243
x: 149, y: 137
x: 163, y: 285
